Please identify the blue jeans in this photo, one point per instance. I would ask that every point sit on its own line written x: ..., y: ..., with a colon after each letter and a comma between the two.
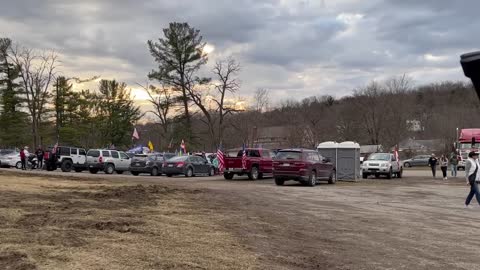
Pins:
x: 473, y: 192
x: 454, y: 170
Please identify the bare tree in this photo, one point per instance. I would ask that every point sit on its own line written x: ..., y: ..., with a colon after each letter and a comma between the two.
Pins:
x: 37, y: 71
x: 163, y: 102
x: 225, y: 71
x: 261, y: 100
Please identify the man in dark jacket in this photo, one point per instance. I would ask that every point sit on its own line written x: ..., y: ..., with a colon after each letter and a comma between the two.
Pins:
x: 432, y: 162
x: 40, y: 154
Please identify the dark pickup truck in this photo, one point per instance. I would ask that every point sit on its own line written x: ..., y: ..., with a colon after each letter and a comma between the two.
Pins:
x: 259, y: 162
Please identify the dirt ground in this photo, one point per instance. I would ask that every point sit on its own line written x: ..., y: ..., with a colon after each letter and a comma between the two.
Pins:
x: 125, y: 222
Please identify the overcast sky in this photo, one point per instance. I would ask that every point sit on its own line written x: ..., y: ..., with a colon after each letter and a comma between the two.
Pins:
x: 293, y: 48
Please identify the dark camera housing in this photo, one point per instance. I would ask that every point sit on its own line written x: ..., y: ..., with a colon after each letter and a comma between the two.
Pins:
x: 471, y: 68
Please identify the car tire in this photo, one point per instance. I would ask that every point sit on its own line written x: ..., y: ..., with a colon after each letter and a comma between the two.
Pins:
x: 390, y: 174
x: 400, y: 173
x: 189, y: 172
x: 406, y: 165
x: 228, y: 176
x: 253, y: 174
x: 169, y: 175
x: 332, y: 179
x: 211, y: 172
x: 364, y: 175
x: 279, y: 181
x: 109, y: 169
x: 93, y: 171
x: 154, y: 171
x: 312, y: 179
x: 66, y: 166
x: 119, y: 172
x: 135, y: 173
x: 18, y: 165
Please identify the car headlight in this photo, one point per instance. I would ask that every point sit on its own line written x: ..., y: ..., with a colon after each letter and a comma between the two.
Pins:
x: 384, y: 165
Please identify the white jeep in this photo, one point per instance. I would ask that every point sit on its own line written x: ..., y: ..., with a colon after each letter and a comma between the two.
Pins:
x: 382, y: 164
x: 69, y: 158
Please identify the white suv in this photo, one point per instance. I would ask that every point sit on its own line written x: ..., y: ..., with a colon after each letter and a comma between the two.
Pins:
x: 108, y: 161
x: 382, y: 164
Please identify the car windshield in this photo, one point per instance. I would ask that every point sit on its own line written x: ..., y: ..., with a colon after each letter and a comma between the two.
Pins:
x: 176, y: 159
x: 385, y: 157
x: 6, y: 152
x: 285, y: 155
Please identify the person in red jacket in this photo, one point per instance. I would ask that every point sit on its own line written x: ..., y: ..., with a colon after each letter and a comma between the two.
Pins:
x: 23, y: 159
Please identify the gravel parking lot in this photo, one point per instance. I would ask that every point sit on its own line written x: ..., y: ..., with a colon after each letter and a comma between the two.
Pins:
x: 411, y: 223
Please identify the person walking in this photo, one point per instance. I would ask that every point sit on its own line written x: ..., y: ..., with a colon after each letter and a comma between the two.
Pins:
x: 444, y: 166
x: 473, y: 177
x: 453, y: 163
x: 40, y: 154
x: 432, y: 162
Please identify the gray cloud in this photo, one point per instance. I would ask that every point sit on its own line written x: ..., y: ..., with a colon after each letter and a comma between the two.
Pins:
x: 294, y: 48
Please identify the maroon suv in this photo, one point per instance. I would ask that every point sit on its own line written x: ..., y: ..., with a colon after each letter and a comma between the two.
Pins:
x: 303, y: 165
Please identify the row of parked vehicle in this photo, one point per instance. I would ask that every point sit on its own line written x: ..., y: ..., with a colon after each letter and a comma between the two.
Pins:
x: 302, y: 165
x: 109, y: 161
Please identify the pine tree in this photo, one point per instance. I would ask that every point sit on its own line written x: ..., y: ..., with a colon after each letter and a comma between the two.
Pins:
x: 13, y: 121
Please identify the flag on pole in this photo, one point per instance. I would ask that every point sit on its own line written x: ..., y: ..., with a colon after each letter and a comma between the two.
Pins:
x: 244, y: 157
x: 135, y: 134
x: 396, y: 155
x: 150, y: 146
x: 54, y: 150
x: 221, y: 159
x: 183, y: 148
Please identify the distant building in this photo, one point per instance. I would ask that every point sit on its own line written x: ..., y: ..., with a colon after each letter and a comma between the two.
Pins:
x: 273, y: 137
x: 414, y: 125
x: 368, y: 149
x: 421, y: 145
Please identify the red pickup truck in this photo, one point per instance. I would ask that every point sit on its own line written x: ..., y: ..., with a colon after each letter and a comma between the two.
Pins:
x: 258, y: 163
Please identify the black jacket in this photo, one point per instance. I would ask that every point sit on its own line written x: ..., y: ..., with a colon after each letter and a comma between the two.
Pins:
x: 432, y: 161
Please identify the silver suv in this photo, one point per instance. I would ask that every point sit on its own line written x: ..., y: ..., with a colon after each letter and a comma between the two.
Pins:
x: 382, y: 164
x: 108, y: 161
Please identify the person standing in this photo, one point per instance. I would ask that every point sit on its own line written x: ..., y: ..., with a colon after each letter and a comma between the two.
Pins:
x: 27, y: 155
x: 444, y: 166
x: 454, y: 163
x: 40, y: 154
x: 215, y: 164
x: 473, y: 177
x: 432, y: 162
x: 23, y: 159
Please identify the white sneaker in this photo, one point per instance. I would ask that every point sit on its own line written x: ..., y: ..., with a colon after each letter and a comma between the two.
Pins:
x: 468, y: 206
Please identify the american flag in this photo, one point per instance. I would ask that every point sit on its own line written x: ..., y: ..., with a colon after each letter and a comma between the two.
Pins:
x: 221, y: 159
x: 244, y: 157
x: 183, y: 148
